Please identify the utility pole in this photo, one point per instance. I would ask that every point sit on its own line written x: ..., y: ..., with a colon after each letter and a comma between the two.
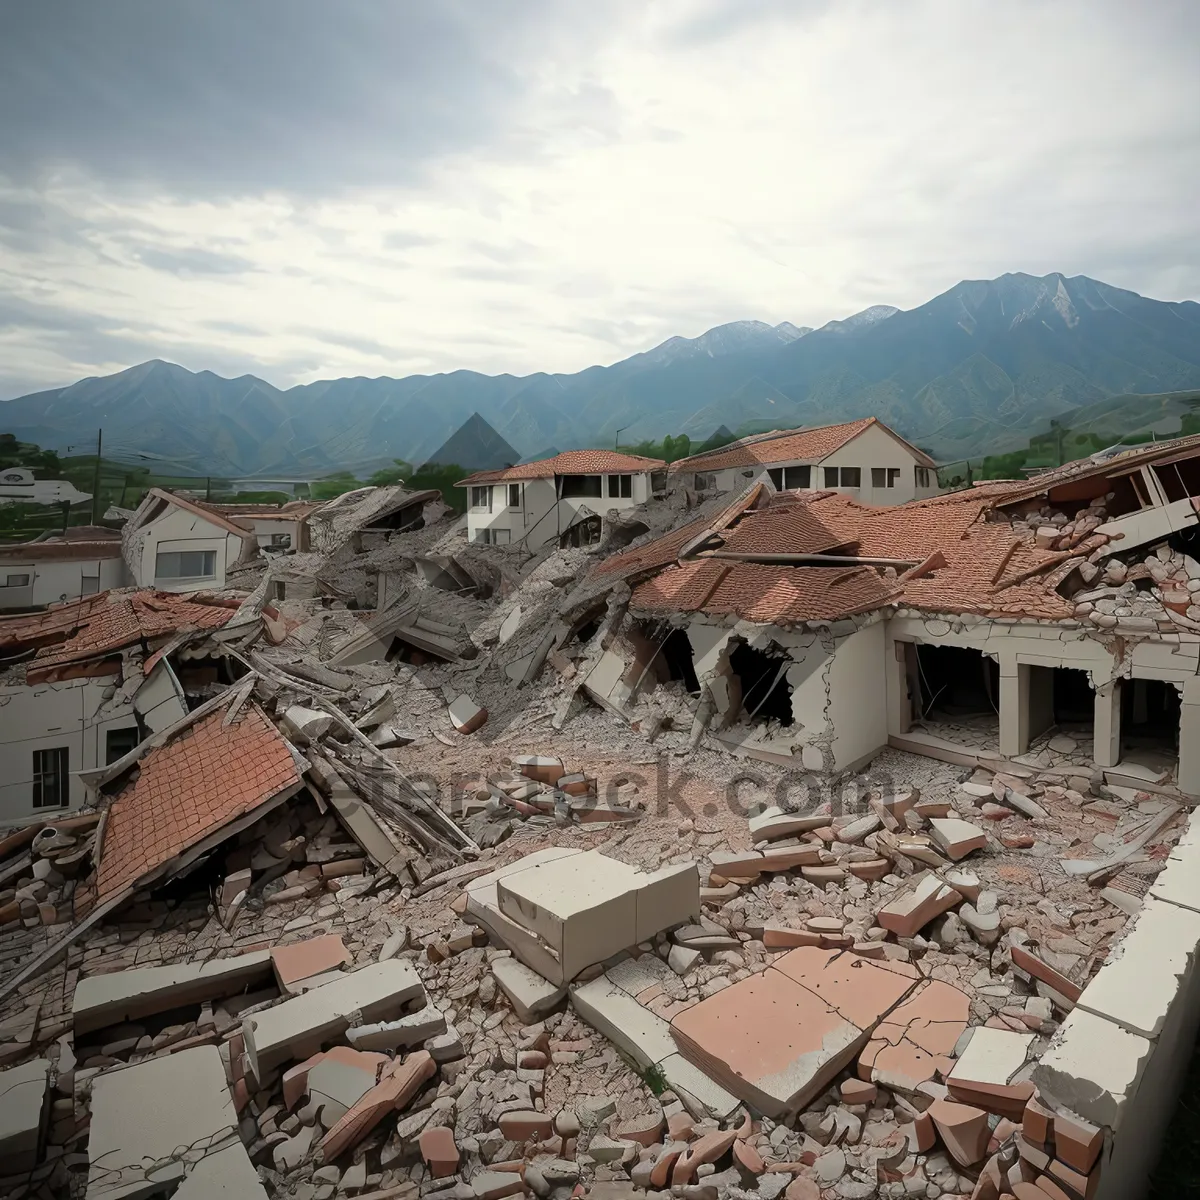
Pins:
x: 617, y: 437
x: 96, y: 479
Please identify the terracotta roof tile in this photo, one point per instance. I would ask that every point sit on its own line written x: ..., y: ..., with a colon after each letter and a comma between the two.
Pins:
x: 792, y: 445
x: 103, y: 624
x: 763, y: 593
x: 570, y: 462
x: 207, y: 776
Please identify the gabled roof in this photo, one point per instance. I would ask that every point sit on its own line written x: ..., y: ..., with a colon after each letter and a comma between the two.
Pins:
x: 790, y: 445
x: 570, y: 462
x: 54, y: 550
x: 101, y: 625
x: 293, y: 510
x: 207, y: 512
x: 209, y: 774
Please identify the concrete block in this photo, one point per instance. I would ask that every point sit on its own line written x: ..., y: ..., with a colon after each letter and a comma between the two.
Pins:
x: 531, y: 996
x: 702, y: 1096
x: 24, y: 1100
x: 925, y: 898
x: 988, y: 1070
x: 143, y: 1115
x: 957, y: 838
x: 102, y: 1000
x: 1146, y: 970
x: 584, y: 909
x: 300, y: 1026
x: 774, y: 823
x: 1179, y: 881
x: 392, y: 1093
x: 467, y: 716
x: 226, y: 1174
x: 1093, y: 1068
x: 338, y: 1082
x: 540, y: 767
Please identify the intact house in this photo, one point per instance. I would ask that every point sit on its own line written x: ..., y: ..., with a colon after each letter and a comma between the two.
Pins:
x: 81, y: 684
x: 79, y: 561
x: 177, y: 544
x: 563, y: 499
x: 863, y: 459
x: 1053, y: 622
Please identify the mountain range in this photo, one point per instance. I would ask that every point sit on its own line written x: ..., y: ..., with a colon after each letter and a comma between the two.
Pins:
x: 978, y: 368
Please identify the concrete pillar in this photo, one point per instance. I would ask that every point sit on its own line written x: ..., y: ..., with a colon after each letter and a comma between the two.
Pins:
x: 1040, y: 703
x: 1189, y: 738
x: 899, y: 694
x: 1106, y: 733
x: 1014, y: 707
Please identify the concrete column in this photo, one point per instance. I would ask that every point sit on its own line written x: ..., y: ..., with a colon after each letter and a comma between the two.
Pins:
x: 1106, y: 734
x: 899, y: 696
x: 1014, y: 707
x: 1189, y: 738
x: 1040, y: 702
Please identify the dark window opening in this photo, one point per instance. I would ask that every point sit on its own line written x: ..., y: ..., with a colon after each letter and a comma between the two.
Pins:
x: 415, y: 656
x: 1149, y: 716
x: 583, y: 533
x: 766, y: 692
x: 956, y: 681
x: 119, y: 742
x: 51, y: 781
x: 620, y: 487
x: 676, y: 653
x: 885, y: 477
x: 514, y: 495
x: 622, y: 533
x: 581, y: 486
x: 1180, y: 480
x: 587, y: 630
x: 408, y: 517
x: 1074, y: 698
x: 847, y: 477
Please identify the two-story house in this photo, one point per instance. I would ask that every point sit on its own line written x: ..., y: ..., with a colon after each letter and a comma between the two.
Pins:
x: 563, y: 499
x: 862, y: 459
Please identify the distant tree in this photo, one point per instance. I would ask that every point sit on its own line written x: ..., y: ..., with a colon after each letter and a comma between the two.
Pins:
x: 389, y: 475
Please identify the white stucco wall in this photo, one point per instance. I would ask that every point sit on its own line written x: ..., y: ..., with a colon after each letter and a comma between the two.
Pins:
x: 178, y: 529
x: 52, y: 582
x: 858, y: 708
x: 535, y: 518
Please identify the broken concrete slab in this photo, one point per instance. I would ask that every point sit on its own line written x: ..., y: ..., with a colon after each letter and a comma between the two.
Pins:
x: 1032, y: 964
x: 1093, y: 1068
x: 24, y: 1104
x: 775, y: 822
x: 1145, y: 972
x: 227, y: 1174
x: 644, y: 1036
x: 540, y: 767
x: 991, y: 1072
x: 299, y: 1027
x: 466, y: 716
x: 300, y: 961
x: 147, y: 1130
x: 964, y: 1130
x: 131, y: 995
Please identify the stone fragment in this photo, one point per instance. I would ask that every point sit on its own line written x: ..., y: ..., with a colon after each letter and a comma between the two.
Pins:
x: 24, y: 1104
x: 963, y: 1129
x: 531, y: 996
x: 391, y: 1093
x: 957, y: 838
x: 925, y: 898
x: 986, y: 1073
x: 465, y: 715
x: 300, y: 961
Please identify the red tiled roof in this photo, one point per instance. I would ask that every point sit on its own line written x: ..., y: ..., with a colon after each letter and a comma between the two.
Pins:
x: 570, y: 462
x: 765, y: 594
x: 792, y: 445
x: 53, y: 550
x: 210, y: 512
x: 207, y: 776
x: 103, y: 624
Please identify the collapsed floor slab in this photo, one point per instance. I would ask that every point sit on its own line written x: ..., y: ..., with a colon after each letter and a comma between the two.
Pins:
x: 131, y: 995
x: 24, y: 1095
x: 148, y: 1131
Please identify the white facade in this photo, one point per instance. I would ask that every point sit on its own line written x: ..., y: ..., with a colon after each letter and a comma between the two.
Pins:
x: 873, y: 468
x: 51, y: 731
x: 181, y: 550
x: 36, y: 582
x: 536, y: 511
x: 18, y: 486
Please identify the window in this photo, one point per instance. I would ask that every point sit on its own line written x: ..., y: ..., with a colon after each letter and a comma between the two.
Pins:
x: 281, y: 540
x: 514, y: 495
x: 797, y: 477
x: 50, y: 781
x: 119, y: 742
x: 885, y: 477
x: 17, y: 581
x: 702, y: 482
x: 481, y: 497
x: 483, y: 537
x: 922, y: 477
x: 580, y: 486
x: 185, y: 564
x: 620, y: 487
x: 847, y: 477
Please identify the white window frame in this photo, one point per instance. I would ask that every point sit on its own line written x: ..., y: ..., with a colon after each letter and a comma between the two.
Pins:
x: 890, y: 477
x: 159, y: 555
x: 620, y: 487
x: 18, y: 581
x: 836, y: 477
x: 481, y: 497
x: 514, y: 495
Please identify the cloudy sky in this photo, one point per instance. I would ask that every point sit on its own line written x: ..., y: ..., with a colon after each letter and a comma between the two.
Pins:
x: 305, y: 189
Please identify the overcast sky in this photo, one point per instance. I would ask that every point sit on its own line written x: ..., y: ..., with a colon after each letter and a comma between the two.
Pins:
x: 305, y: 189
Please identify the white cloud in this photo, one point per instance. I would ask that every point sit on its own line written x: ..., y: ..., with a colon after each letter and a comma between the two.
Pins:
x: 673, y: 167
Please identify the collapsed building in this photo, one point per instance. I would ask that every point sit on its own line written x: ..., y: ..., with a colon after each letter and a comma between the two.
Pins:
x: 772, y: 845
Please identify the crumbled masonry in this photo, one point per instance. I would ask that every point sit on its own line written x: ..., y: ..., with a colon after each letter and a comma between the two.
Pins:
x: 771, y: 846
